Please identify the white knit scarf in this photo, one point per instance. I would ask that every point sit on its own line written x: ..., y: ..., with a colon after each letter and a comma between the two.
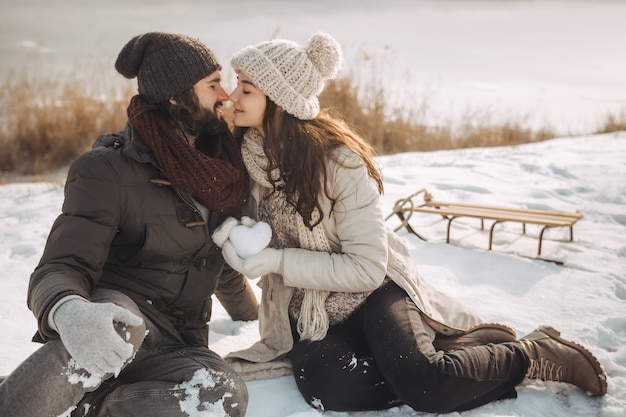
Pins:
x: 313, y: 320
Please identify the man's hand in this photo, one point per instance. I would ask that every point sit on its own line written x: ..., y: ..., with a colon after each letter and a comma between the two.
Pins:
x: 88, y: 333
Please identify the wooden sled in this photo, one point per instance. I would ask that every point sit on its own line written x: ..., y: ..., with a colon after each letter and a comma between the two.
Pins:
x: 404, y: 209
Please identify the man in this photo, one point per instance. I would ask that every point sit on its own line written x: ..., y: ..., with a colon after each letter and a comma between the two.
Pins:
x: 122, y: 293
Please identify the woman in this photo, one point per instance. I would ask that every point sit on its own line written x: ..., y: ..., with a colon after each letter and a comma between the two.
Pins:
x: 341, y: 296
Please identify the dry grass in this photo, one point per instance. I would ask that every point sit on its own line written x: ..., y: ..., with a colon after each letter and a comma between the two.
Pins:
x: 614, y: 122
x: 365, y: 106
x: 45, y: 122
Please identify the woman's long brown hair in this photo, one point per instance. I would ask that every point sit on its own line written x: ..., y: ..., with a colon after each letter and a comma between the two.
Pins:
x: 300, y: 150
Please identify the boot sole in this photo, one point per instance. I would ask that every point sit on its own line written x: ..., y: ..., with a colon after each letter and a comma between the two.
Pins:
x: 556, y: 335
x: 492, y: 326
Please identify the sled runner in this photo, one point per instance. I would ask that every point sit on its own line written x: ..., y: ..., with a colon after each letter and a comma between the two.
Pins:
x: 405, y: 207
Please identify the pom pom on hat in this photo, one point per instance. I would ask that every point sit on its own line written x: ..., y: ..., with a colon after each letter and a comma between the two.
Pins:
x: 292, y: 76
x: 325, y: 53
x: 165, y: 64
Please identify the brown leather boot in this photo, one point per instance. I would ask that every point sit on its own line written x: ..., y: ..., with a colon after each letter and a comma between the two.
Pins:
x: 553, y: 358
x: 478, y: 335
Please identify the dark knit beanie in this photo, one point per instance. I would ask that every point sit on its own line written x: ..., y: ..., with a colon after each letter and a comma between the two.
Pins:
x: 165, y: 64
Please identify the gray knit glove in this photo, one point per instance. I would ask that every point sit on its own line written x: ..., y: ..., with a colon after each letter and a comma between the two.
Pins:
x: 88, y: 333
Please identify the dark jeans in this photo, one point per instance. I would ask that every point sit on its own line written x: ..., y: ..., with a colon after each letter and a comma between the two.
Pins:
x: 382, y: 356
x: 165, y: 379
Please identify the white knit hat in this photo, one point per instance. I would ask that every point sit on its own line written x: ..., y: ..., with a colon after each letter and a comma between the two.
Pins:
x: 292, y: 76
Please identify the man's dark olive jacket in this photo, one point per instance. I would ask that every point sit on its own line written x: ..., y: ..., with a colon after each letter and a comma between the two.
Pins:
x: 124, y: 227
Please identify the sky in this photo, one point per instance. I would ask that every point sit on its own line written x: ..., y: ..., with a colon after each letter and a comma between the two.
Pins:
x: 544, y: 63
x: 584, y: 298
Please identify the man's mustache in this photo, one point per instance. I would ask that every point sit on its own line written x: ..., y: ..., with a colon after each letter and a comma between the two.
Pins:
x: 216, y: 105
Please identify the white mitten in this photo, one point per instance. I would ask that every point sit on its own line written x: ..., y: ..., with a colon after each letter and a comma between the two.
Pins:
x: 248, y: 221
x: 88, y: 333
x: 220, y: 235
x: 232, y: 258
x: 269, y: 260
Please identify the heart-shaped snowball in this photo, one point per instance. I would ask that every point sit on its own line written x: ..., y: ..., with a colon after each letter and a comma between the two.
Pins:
x: 248, y: 241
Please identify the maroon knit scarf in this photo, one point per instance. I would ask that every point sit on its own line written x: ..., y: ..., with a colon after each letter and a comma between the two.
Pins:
x: 218, y: 182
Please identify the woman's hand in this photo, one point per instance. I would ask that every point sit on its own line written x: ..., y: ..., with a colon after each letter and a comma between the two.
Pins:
x: 220, y: 235
x: 268, y: 261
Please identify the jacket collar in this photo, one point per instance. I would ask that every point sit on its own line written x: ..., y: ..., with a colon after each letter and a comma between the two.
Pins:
x: 133, y: 144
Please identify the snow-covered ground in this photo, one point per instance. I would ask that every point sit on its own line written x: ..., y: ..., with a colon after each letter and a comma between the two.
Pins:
x: 585, y: 298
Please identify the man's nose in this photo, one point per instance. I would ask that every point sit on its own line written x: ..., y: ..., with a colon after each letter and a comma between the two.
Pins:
x: 222, y: 94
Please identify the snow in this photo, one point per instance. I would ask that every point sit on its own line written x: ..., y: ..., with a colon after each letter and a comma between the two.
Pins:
x: 585, y: 298
x: 190, y: 402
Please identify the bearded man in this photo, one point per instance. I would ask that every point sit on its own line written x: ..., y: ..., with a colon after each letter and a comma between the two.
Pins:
x: 123, y: 291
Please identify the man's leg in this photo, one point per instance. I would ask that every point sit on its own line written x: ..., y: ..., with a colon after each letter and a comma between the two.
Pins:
x: 44, y: 384
x: 172, y: 380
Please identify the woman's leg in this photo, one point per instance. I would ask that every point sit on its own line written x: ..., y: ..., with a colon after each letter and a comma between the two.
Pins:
x: 339, y: 373
x: 431, y: 380
x: 382, y: 356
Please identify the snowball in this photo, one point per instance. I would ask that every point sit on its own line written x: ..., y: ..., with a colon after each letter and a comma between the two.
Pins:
x: 250, y: 240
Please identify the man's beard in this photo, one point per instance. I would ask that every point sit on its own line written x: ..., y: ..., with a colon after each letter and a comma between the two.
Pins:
x: 207, y: 123
x: 209, y: 129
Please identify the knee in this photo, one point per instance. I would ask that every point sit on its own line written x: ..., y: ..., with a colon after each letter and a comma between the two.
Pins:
x: 331, y: 386
x: 104, y: 295
x: 220, y: 391
x: 236, y: 397
x: 132, y: 334
x: 417, y: 384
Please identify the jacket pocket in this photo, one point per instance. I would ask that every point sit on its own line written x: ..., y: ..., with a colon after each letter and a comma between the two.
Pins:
x: 163, y: 242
